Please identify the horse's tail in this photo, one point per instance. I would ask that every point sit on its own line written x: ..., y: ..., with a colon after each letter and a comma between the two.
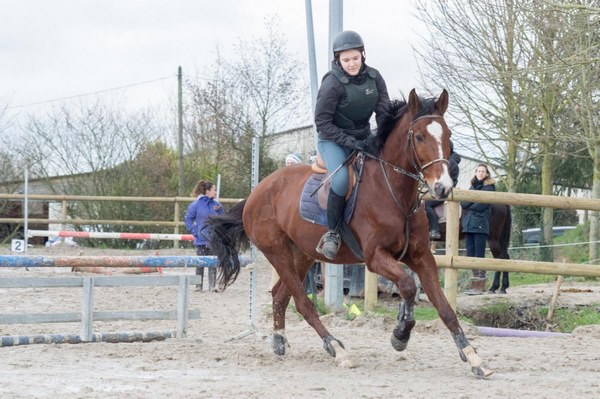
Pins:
x: 505, y: 235
x: 227, y: 239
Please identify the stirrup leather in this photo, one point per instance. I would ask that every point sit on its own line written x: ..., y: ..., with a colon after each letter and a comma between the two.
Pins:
x: 329, y: 244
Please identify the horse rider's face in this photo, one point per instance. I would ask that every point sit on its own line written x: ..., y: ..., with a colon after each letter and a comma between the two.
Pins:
x: 351, y: 61
x: 481, y: 173
x: 212, y: 192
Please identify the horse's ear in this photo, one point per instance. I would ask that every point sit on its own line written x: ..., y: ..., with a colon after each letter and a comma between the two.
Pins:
x: 414, y: 104
x: 442, y: 103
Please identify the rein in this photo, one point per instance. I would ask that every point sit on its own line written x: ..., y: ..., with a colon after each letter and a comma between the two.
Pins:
x: 418, y: 176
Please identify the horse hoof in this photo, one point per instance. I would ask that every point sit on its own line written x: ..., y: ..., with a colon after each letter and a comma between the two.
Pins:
x: 481, y: 372
x: 279, y: 343
x: 397, y: 344
x: 328, y: 342
x: 401, y: 335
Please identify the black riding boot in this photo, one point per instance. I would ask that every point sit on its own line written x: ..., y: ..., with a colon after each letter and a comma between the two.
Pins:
x: 434, y: 227
x: 331, y: 241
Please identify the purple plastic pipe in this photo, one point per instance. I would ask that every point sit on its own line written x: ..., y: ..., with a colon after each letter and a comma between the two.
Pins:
x: 508, y: 332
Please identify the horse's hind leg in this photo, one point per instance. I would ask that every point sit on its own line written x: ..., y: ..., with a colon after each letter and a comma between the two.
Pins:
x: 292, y: 269
x: 429, y: 280
x: 281, y: 299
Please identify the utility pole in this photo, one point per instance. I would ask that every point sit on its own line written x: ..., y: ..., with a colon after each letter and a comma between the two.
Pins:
x: 334, y: 280
x: 181, y: 182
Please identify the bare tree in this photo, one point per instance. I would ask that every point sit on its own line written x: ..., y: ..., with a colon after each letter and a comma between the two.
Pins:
x: 261, y: 90
x: 475, y: 50
x: 509, y: 66
x: 89, y: 139
x: 272, y: 81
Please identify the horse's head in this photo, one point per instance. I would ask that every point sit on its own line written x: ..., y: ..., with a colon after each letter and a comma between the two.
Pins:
x: 416, y: 138
x: 429, y: 139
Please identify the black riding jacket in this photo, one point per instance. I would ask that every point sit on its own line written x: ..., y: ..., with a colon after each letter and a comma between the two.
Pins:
x: 344, y: 123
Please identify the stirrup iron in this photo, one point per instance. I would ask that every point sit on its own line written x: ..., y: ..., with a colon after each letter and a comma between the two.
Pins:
x: 329, y: 245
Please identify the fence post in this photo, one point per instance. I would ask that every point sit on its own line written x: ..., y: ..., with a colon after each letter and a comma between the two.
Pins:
x: 176, y: 220
x: 87, y: 309
x: 182, y: 306
x: 370, y: 289
x: 451, y: 274
x: 63, y: 216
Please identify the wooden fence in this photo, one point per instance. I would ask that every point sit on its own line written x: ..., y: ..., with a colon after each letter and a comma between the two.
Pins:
x: 451, y: 261
x: 65, y: 200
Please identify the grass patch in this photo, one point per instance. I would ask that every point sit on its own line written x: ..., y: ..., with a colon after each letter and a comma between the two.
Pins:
x: 384, y: 308
x: 566, y: 320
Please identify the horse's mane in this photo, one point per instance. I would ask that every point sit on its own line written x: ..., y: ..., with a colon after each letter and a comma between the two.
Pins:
x: 396, y: 110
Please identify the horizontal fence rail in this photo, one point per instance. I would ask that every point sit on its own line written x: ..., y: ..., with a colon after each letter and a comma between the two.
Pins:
x: 524, y: 266
x: 107, y: 261
x: 111, y: 235
x: 176, y: 222
x: 112, y: 261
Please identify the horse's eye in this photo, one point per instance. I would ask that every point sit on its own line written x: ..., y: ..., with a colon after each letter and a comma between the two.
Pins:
x: 420, y: 138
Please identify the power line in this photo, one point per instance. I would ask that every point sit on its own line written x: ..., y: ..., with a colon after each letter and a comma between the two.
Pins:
x: 91, y: 93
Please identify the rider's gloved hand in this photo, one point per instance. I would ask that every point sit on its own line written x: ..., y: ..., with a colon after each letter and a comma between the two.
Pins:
x: 361, y: 145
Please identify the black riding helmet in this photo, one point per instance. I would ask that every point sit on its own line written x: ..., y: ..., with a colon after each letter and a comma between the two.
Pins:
x: 347, y: 40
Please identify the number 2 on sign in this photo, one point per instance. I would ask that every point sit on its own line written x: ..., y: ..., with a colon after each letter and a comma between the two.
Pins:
x: 17, y: 245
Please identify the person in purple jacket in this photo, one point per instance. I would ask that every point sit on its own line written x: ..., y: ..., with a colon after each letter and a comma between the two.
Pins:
x: 195, y: 218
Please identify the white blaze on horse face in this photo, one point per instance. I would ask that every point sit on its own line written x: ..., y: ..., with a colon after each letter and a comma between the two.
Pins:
x: 436, y: 131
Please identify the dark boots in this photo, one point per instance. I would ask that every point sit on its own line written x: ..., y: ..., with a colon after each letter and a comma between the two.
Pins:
x: 331, y: 241
x: 434, y: 227
x: 200, y: 272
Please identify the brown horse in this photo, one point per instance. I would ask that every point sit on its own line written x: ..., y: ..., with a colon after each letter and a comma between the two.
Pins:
x: 388, y: 223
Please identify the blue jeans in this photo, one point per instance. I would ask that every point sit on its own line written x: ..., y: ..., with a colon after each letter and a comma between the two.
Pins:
x: 334, y: 155
x: 476, y: 243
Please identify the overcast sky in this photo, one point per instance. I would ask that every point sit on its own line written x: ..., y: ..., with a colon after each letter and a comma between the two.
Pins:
x: 62, y: 48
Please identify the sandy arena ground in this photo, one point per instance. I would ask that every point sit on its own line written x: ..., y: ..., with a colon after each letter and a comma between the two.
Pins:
x: 204, y: 365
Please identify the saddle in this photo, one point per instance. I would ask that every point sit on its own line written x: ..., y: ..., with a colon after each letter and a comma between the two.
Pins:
x: 318, y: 167
x: 313, y: 200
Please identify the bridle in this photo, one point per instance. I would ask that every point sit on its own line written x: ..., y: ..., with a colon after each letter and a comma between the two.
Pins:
x: 418, y: 167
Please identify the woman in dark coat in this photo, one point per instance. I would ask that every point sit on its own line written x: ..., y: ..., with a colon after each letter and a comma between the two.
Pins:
x: 475, y: 223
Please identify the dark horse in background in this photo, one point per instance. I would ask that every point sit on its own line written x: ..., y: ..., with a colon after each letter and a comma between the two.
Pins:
x: 498, y: 240
x: 388, y: 223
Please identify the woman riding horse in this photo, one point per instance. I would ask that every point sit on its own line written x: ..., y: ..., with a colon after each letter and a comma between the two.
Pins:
x: 348, y: 95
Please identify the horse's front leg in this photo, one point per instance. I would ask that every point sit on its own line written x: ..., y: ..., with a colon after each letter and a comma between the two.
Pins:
x: 426, y: 268
x: 385, y: 265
